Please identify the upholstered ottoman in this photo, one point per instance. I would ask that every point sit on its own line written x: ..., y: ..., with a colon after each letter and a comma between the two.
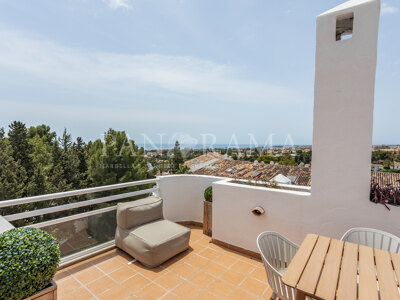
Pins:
x: 143, y: 232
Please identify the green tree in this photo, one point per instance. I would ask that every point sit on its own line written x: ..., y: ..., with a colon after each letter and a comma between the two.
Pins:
x: 44, y: 132
x: 183, y: 169
x: 116, y: 160
x: 42, y: 162
x: 82, y: 153
x: 12, y: 174
x: 21, y: 150
x: 177, y: 158
x: 267, y: 158
x: 387, y: 164
x: 287, y: 160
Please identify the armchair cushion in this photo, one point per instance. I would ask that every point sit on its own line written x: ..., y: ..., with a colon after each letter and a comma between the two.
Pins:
x: 135, y: 213
x: 154, y: 242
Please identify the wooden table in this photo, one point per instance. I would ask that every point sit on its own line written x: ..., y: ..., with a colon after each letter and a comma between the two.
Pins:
x: 325, y: 268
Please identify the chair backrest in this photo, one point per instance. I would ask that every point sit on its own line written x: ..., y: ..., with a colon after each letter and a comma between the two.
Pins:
x: 138, y: 212
x: 373, y: 238
x: 276, y: 250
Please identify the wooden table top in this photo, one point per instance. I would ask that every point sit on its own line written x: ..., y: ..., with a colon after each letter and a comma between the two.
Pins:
x: 326, y: 268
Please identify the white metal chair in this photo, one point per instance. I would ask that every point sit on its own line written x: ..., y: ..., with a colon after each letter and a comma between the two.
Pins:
x: 373, y: 238
x: 277, y: 252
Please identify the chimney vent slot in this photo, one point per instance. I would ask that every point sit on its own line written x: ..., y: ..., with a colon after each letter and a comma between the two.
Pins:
x: 344, y: 26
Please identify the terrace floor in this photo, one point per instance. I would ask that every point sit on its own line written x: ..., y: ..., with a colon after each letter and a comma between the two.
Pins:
x: 204, y: 271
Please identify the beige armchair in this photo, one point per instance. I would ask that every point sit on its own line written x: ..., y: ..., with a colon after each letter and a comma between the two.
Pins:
x: 143, y: 232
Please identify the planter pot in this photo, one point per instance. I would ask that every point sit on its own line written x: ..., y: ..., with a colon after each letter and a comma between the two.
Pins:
x: 49, y: 293
x: 207, y: 218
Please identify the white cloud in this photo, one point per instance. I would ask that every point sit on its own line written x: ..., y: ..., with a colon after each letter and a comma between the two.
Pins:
x: 151, y: 74
x: 119, y: 3
x: 388, y: 9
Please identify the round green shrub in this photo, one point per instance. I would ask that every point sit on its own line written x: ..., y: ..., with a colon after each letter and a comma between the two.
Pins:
x: 28, y: 261
x: 208, y: 194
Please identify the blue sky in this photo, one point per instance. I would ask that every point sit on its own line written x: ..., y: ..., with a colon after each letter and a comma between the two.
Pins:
x: 177, y: 67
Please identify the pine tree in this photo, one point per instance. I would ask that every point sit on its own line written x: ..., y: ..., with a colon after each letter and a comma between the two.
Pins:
x: 177, y: 158
x: 12, y: 174
x: 21, y: 149
x: 82, y: 153
x: 116, y: 160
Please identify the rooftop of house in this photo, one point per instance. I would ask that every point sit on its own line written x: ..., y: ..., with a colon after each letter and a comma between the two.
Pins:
x: 299, y: 175
x: 250, y: 170
x: 204, y: 160
x: 386, y: 178
x: 204, y: 271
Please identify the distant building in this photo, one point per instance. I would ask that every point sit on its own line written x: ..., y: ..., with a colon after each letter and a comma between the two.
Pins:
x: 214, y: 164
x: 386, y: 178
x: 203, y: 161
x: 376, y: 167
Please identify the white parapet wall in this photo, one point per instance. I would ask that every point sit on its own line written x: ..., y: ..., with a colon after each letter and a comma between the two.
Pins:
x: 184, y: 195
x: 291, y: 213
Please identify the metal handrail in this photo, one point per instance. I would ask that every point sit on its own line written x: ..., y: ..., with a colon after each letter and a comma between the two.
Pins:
x: 72, y: 217
x: 49, y: 210
x: 8, y: 203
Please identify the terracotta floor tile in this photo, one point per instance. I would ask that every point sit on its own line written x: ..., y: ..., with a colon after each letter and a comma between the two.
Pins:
x: 169, y: 281
x: 88, y: 275
x: 123, y: 257
x: 60, y: 275
x: 205, y: 270
x: 184, y: 270
x: 170, y: 263
x: 267, y: 293
x: 116, y: 292
x: 122, y: 274
x: 151, y: 292
x: 221, y: 288
x: 205, y: 295
x: 253, y: 286
x: 169, y: 296
x: 198, y: 261
x: 250, y: 260
x: 103, y: 257
x: 135, y: 283
x: 238, y: 294
x: 259, y: 274
x: 81, y: 294
x: 197, y: 247
x: 185, y: 255
x: 79, y: 267
x: 226, y: 260
x: 68, y: 285
x: 243, y: 267
x: 151, y: 273
x: 110, y: 265
x: 204, y: 241
x: 186, y: 290
x: 216, y: 247
x: 233, y: 277
x: 232, y: 253
x: 100, y: 285
x: 202, y: 279
x: 214, y: 269
x: 209, y: 253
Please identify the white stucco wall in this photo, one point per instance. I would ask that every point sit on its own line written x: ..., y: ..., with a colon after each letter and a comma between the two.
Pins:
x: 342, y: 142
x: 183, y: 196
